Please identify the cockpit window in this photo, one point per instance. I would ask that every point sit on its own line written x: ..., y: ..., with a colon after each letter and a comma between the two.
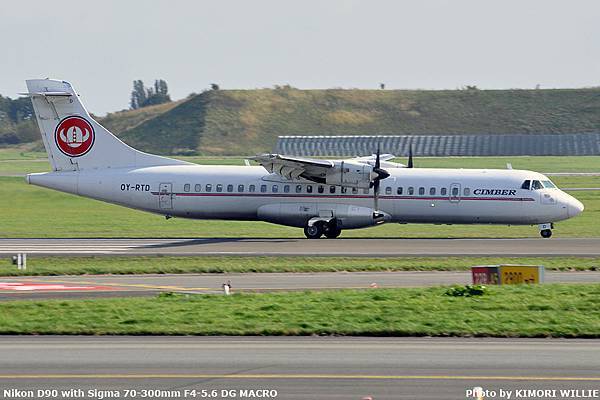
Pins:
x: 548, y: 185
x: 526, y: 184
x: 536, y: 185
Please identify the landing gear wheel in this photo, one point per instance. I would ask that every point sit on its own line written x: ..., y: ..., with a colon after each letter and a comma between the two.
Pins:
x: 313, y: 232
x: 546, y: 233
x: 332, y: 233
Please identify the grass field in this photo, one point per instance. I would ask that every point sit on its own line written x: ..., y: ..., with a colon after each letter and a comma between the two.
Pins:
x: 505, y: 311
x: 175, y: 265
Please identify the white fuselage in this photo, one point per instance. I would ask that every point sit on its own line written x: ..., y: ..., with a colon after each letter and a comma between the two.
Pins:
x: 408, y: 195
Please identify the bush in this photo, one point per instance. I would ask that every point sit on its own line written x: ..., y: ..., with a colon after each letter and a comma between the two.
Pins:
x: 466, y: 291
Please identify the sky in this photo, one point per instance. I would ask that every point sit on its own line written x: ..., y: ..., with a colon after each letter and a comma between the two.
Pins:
x: 102, y: 46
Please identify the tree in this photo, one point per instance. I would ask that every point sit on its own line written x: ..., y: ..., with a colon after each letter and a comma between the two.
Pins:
x: 21, y: 109
x: 143, y: 97
x: 138, y: 95
x: 161, y: 87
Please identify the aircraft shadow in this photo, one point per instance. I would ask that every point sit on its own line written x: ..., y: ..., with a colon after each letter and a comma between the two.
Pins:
x: 208, y: 241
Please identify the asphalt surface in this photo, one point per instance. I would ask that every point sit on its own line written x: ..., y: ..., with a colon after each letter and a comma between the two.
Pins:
x: 144, y: 285
x: 298, y: 368
x: 380, y: 247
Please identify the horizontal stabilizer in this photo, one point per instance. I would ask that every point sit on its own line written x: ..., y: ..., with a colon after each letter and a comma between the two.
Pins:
x: 48, y: 94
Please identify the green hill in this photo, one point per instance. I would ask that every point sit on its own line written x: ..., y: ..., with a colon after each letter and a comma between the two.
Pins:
x: 249, y: 121
x: 236, y: 122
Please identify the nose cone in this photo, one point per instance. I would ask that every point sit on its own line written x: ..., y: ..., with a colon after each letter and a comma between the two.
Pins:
x: 574, y: 207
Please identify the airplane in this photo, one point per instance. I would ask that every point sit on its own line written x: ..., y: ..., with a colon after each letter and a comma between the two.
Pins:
x: 321, y: 196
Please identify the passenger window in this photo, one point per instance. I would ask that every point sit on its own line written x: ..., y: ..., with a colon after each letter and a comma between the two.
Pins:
x: 411, y: 190
x: 526, y: 184
x: 388, y: 190
x: 343, y: 189
x: 399, y: 190
x: 240, y: 188
x: 219, y: 187
x: 275, y: 188
x: 320, y: 189
x: 432, y: 191
x: 230, y: 188
x: 298, y: 188
x: 309, y: 189
x: 443, y: 191
x: 354, y: 190
x: 332, y: 189
x: 197, y: 187
x: 251, y: 188
x: 455, y: 191
x: 186, y: 187
x: 466, y: 191
x: 286, y: 188
x: 209, y: 188
x: 536, y: 185
x: 263, y: 188
x: 421, y: 191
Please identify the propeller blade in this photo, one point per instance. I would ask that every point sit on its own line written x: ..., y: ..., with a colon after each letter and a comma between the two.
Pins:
x: 381, y: 174
x: 376, y: 196
x: 410, y: 158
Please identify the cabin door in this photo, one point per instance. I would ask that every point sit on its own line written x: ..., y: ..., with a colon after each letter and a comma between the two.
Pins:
x: 454, y: 195
x: 165, y: 196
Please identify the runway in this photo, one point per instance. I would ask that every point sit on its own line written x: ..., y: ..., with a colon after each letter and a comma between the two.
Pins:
x: 376, y: 247
x: 299, y: 368
x: 19, y: 288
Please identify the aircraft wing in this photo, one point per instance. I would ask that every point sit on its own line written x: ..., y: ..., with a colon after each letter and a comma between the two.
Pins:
x: 384, y: 160
x: 372, y: 157
x: 291, y: 167
x: 349, y: 173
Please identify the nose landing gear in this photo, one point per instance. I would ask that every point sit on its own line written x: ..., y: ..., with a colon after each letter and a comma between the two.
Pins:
x: 546, y: 230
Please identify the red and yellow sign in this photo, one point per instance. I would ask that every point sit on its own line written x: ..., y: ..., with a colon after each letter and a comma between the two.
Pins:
x: 507, y: 274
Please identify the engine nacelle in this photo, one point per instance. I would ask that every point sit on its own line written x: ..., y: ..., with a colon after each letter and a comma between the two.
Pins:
x: 350, y: 174
x: 298, y: 214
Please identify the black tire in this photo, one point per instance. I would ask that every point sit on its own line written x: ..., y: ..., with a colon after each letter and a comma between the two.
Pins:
x: 332, y: 233
x: 546, y: 233
x: 313, y: 232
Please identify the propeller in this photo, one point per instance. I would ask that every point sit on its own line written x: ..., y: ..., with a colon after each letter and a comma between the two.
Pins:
x: 410, y: 158
x: 381, y: 174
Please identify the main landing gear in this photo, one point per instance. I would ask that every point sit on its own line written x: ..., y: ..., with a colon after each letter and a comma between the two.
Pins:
x: 546, y: 230
x: 329, y: 229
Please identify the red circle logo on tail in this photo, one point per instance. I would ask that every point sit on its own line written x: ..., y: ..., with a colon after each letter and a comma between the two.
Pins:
x: 74, y: 136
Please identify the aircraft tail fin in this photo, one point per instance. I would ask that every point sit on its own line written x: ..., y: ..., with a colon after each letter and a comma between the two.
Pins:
x: 73, y: 139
